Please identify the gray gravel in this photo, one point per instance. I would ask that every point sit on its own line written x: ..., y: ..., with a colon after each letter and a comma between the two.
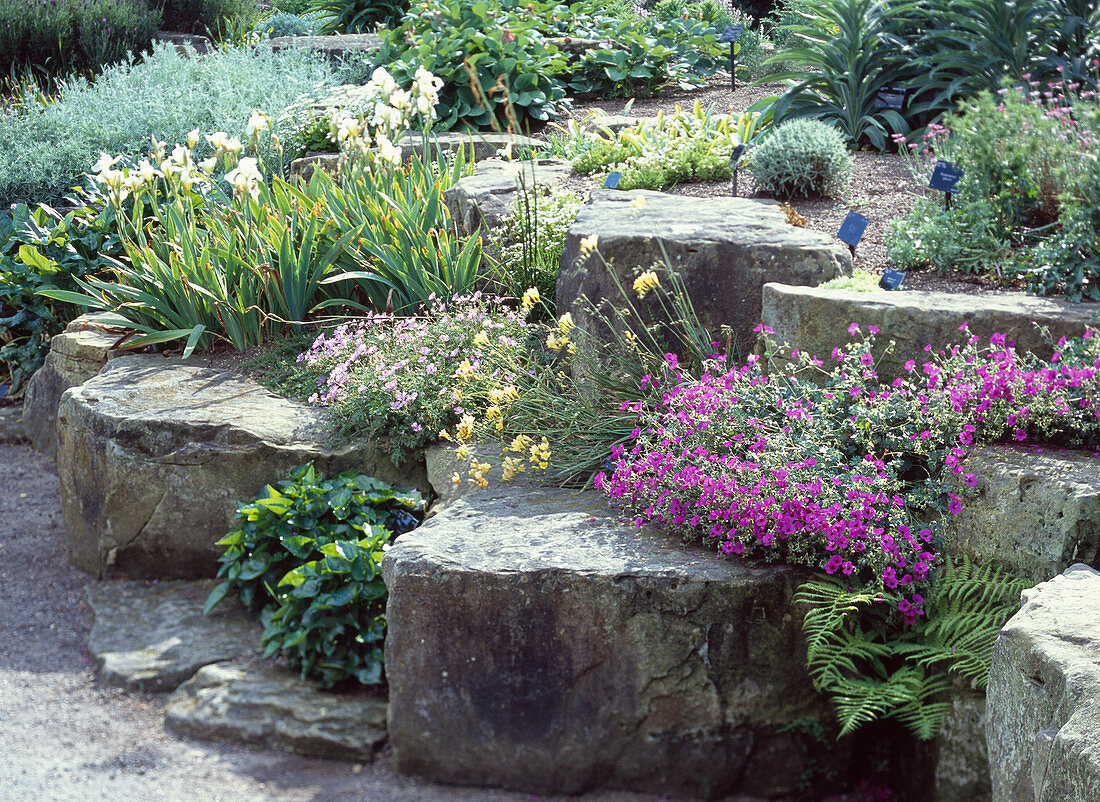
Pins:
x: 64, y: 737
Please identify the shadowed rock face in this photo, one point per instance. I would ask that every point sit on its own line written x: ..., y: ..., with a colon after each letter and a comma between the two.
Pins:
x: 153, y: 459
x: 1043, y: 725
x: 726, y: 249
x: 536, y: 643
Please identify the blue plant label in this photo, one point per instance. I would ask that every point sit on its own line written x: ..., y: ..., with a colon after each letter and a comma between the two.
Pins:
x: 945, y: 177
x: 735, y: 157
x: 890, y: 97
x: 851, y: 230
x: 613, y: 180
x: 4, y: 389
x: 731, y: 34
x: 891, y: 279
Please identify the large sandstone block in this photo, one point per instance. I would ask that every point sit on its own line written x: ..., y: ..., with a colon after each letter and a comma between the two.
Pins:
x: 334, y: 46
x: 479, y: 202
x: 726, y: 249
x: 536, y: 643
x: 76, y: 355
x: 816, y: 320
x: 1043, y: 725
x: 1037, y: 510
x: 153, y: 459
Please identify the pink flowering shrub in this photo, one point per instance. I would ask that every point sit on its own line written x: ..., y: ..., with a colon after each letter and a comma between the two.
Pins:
x: 397, y: 379
x: 826, y: 466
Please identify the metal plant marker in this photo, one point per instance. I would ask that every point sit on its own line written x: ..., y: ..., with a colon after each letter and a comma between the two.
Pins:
x: 731, y: 34
x: 851, y: 230
x: 945, y: 177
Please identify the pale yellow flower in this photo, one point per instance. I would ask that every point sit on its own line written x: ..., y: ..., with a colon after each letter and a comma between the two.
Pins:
x: 645, y: 282
x: 565, y: 323
x: 520, y: 444
x: 481, y: 339
x: 465, y: 370
x: 530, y: 297
x: 589, y: 244
x: 638, y: 203
x: 466, y: 428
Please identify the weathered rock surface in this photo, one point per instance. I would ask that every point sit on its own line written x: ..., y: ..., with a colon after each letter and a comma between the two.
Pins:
x: 477, y: 146
x: 266, y: 706
x: 575, y: 47
x: 153, y: 459
x: 726, y: 249
x: 75, y: 355
x: 536, y: 643
x: 1043, y: 725
x: 11, y: 426
x: 442, y: 464
x: 962, y: 760
x: 484, y: 199
x: 816, y: 320
x: 154, y: 636
x: 1036, y: 511
x: 335, y: 46
x: 186, y: 44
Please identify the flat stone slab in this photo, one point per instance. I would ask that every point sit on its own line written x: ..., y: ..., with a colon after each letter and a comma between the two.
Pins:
x: 1043, y: 725
x: 152, y: 637
x: 267, y: 706
x: 536, y: 643
x: 75, y: 355
x: 154, y: 456
x: 816, y: 320
x: 1036, y: 512
x: 725, y: 249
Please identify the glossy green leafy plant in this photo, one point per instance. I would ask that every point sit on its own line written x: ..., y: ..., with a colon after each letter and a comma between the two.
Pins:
x: 357, y: 16
x: 305, y: 555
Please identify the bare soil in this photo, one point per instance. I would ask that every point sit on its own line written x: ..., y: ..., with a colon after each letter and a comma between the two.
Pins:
x: 65, y: 737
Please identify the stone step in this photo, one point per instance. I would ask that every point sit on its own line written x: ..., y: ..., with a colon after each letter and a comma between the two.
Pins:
x: 1036, y: 510
x: 154, y: 636
x: 726, y: 250
x: 1043, y: 724
x: 335, y: 46
x: 816, y: 320
x: 153, y: 457
x: 264, y: 705
x: 536, y: 643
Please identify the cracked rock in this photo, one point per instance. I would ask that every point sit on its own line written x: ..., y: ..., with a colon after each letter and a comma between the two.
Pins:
x: 154, y: 456
x: 152, y: 637
x: 270, y: 707
x: 536, y: 643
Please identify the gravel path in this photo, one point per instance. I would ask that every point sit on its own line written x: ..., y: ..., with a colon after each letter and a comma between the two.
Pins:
x: 64, y: 737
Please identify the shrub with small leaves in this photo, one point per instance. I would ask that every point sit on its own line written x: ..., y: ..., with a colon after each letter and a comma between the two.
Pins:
x: 305, y: 556
x: 801, y: 158
x: 285, y: 25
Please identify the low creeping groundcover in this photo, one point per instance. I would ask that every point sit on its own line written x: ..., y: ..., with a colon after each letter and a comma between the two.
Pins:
x: 834, y: 469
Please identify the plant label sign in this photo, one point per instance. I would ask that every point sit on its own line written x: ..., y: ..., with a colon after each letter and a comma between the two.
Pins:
x: 851, y: 230
x: 731, y: 34
x: 890, y: 97
x: 613, y: 180
x: 891, y: 279
x: 945, y: 177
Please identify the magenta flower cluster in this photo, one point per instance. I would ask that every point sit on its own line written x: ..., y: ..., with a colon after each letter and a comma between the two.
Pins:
x: 832, y: 468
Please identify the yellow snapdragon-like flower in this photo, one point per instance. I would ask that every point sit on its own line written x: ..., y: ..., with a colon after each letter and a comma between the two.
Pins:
x: 555, y: 343
x: 478, y: 472
x: 646, y: 282
x: 466, y: 428
x: 513, y: 466
x: 565, y: 323
x: 463, y: 452
x: 520, y: 444
x: 638, y: 203
x: 588, y: 245
x: 481, y: 339
x: 465, y: 370
x: 530, y: 297
x: 540, y: 454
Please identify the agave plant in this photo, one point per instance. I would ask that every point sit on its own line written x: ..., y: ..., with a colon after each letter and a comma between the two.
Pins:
x: 850, y: 54
x: 357, y: 16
